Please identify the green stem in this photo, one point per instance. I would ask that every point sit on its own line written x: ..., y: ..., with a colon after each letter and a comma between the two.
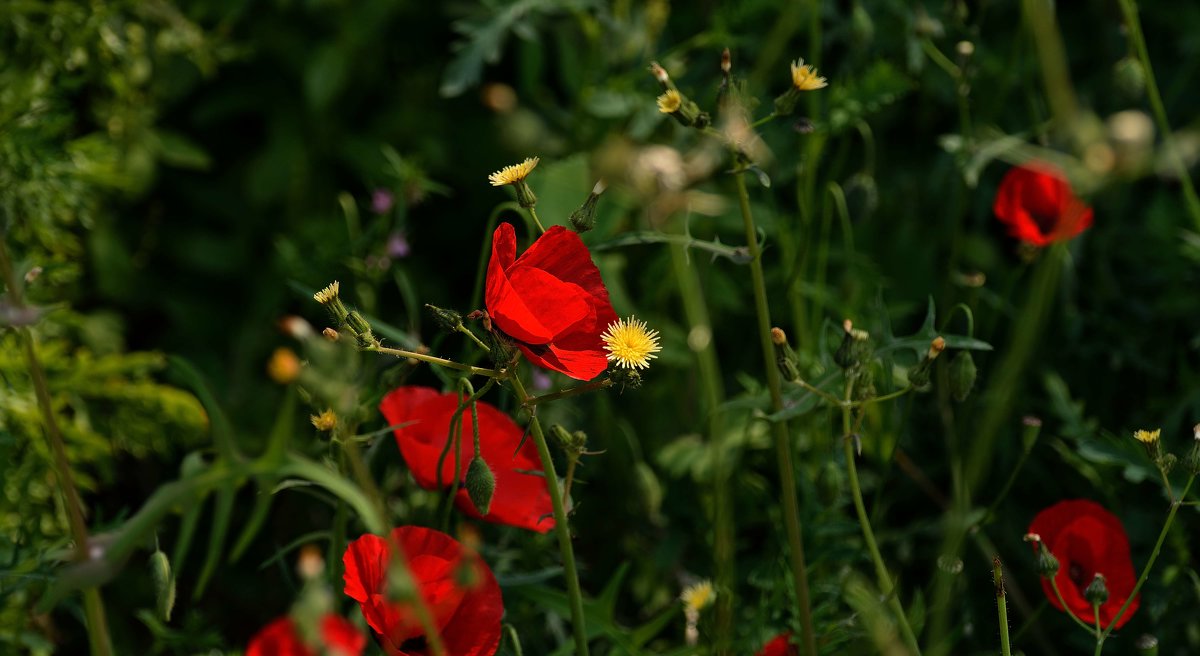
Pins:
x: 886, y: 587
x: 560, y: 524
x: 449, y: 364
x: 886, y: 397
x: 93, y: 604
x: 829, y: 398
x: 1096, y: 615
x: 603, y: 383
x: 533, y: 215
x: 1162, y: 536
x: 708, y: 372
x: 783, y: 447
x: 474, y: 338
x: 1001, y: 605
x: 1129, y: 9
x: 1066, y: 609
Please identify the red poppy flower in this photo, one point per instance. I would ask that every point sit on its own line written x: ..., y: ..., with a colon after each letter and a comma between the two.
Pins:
x: 279, y: 638
x: 1037, y: 204
x: 467, y: 615
x: 521, y: 499
x: 550, y: 301
x: 780, y: 645
x: 1087, y: 540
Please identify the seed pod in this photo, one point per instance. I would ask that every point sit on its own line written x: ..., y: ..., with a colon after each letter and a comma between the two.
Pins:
x: 1097, y: 591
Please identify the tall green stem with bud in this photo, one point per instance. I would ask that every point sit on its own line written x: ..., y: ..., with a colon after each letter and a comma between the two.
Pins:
x: 783, y: 447
x: 561, y: 528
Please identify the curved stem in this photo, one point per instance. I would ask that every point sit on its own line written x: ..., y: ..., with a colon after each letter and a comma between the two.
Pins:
x: 93, y: 604
x: 449, y: 364
x: 561, y: 528
x: 783, y: 447
x: 1162, y: 536
x: 885, y: 580
x: 1066, y: 609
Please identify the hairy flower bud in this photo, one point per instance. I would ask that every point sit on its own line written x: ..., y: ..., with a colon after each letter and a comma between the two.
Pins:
x: 785, y: 357
x: 584, y: 218
x: 481, y: 485
x: 448, y: 320
x: 1097, y: 590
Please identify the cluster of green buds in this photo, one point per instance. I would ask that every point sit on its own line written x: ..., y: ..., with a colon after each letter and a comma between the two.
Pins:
x: 674, y: 103
x: 574, y: 444
x: 343, y: 318
x: 1164, y: 460
x: 854, y: 356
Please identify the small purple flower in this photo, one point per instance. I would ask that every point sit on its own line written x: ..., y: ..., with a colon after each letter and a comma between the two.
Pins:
x: 541, y: 380
x: 382, y: 201
x: 397, y: 245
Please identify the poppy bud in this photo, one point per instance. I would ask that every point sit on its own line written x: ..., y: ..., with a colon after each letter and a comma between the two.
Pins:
x: 164, y: 584
x: 785, y: 357
x: 481, y: 485
x: 962, y: 375
x: 1097, y: 591
x: 1146, y: 645
x: 584, y: 218
x: 448, y: 320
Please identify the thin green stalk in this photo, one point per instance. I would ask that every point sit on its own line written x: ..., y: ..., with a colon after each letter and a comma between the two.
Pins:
x: 708, y: 370
x: 603, y: 383
x: 93, y: 605
x: 886, y: 587
x: 783, y: 447
x: 1129, y: 9
x: 449, y: 364
x: 1162, y: 536
x: 560, y: 524
x: 1001, y: 605
x: 533, y: 215
x: 1066, y: 609
x: 1096, y: 615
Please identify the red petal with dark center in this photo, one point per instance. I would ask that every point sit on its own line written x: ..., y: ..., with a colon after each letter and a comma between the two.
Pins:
x: 1087, y: 539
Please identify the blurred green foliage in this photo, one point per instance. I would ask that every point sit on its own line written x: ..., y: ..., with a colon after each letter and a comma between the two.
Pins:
x: 184, y: 175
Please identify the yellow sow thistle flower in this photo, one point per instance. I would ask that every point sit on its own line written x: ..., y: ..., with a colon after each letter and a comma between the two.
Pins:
x: 513, y: 174
x: 630, y: 343
x: 326, y: 421
x: 805, y: 77
x: 698, y: 596
x: 670, y: 102
x: 1147, y: 437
